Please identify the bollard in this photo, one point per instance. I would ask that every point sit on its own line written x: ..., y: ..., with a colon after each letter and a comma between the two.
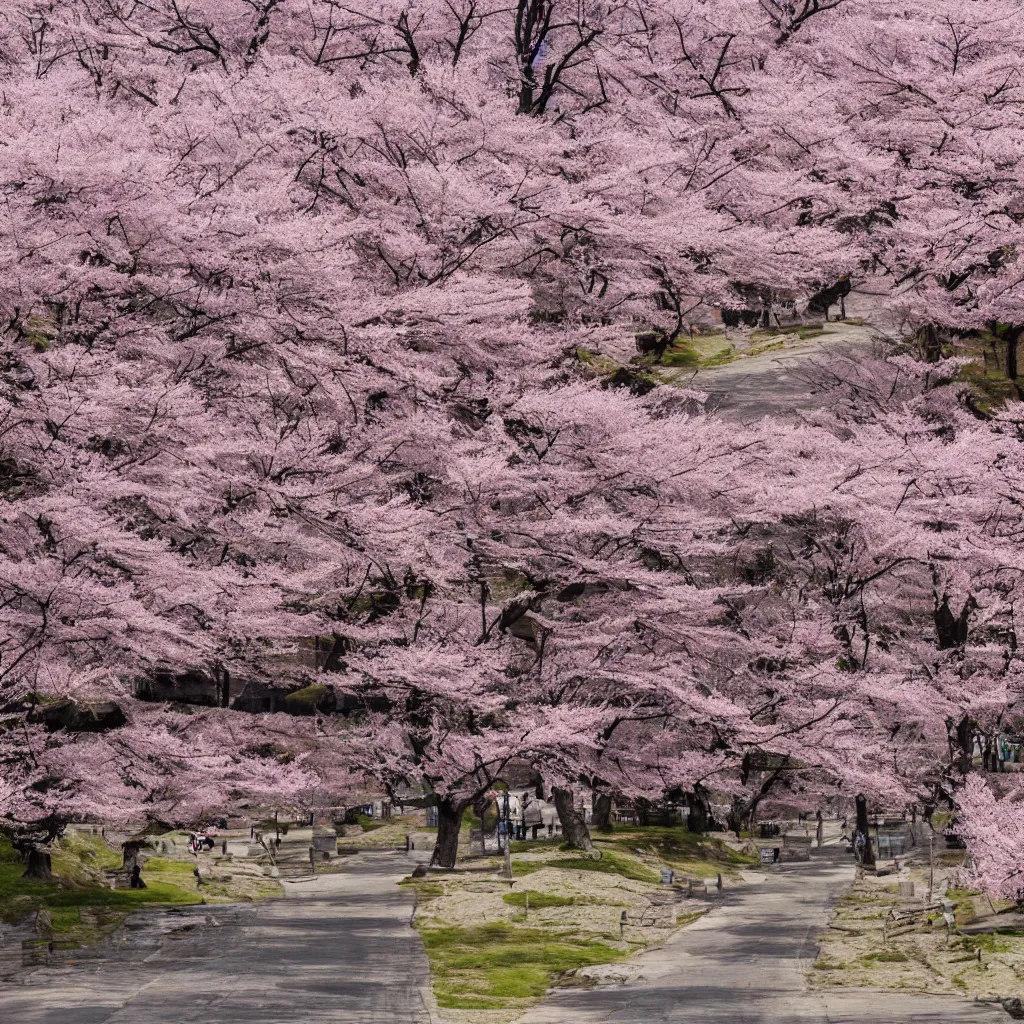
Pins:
x: 224, y: 848
x: 718, y: 884
x: 622, y: 924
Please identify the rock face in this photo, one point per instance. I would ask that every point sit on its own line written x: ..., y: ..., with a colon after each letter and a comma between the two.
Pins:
x: 254, y: 696
x: 192, y: 687
x: 310, y: 700
x: 97, y: 716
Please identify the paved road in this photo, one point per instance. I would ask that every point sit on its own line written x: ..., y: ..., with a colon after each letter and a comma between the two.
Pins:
x: 779, y: 382
x: 744, y: 963
x: 338, y: 949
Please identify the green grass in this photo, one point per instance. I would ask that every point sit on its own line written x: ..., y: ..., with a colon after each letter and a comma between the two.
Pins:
x: 887, y: 956
x: 855, y: 898
x: 425, y: 891
x: 610, y: 863
x: 989, y: 943
x: 522, y: 868
x: 680, y: 357
x: 82, y: 909
x: 989, y: 387
x: 698, y: 855
x: 496, y: 966
x: 535, y: 845
x: 770, y: 347
x: 720, y: 358
x: 369, y: 824
x: 961, y: 894
x: 539, y: 900
x: 307, y: 697
x: 166, y: 867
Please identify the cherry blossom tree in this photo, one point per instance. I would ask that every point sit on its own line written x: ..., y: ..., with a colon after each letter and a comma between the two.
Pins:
x: 294, y: 296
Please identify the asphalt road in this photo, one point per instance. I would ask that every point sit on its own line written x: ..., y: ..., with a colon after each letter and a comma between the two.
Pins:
x: 745, y: 963
x: 782, y: 381
x: 339, y: 948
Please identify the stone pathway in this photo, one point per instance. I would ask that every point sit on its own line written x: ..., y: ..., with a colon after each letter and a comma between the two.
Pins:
x: 745, y: 963
x: 338, y: 948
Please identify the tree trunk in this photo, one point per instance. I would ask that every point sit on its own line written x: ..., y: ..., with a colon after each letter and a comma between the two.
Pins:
x: 961, y: 741
x: 739, y: 812
x: 449, y: 821
x: 862, y: 827
x: 38, y: 865
x: 931, y: 344
x: 130, y: 863
x: 698, y: 818
x: 574, y: 828
x: 601, y: 814
x: 223, y: 677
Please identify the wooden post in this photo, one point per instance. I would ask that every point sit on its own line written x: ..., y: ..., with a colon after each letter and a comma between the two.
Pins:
x: 931, y: 866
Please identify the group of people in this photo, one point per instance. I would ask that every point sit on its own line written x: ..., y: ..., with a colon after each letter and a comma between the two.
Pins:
x: 199, y: 841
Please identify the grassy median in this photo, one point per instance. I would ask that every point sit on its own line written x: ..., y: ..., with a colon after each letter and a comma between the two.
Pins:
x: 497, y: 945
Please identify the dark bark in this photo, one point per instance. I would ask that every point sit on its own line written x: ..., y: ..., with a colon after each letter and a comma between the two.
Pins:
x: 449, y: 821
x: 601, y: 812
x: 38, y: 865
x: 223, y: 678
x: 961, y: 743
x: 741, y: 812
x: 862, y: 827
x: 699, y: 818
x: 574, y: 828
x: 931, y: 344
x: 739, y: 815
x: 130, y: 862
x: 819, y: 832
x: 951, y: 630
x: 1010, y: 334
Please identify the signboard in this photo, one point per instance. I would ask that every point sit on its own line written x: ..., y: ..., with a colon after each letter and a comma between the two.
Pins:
x: 767, y: 856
